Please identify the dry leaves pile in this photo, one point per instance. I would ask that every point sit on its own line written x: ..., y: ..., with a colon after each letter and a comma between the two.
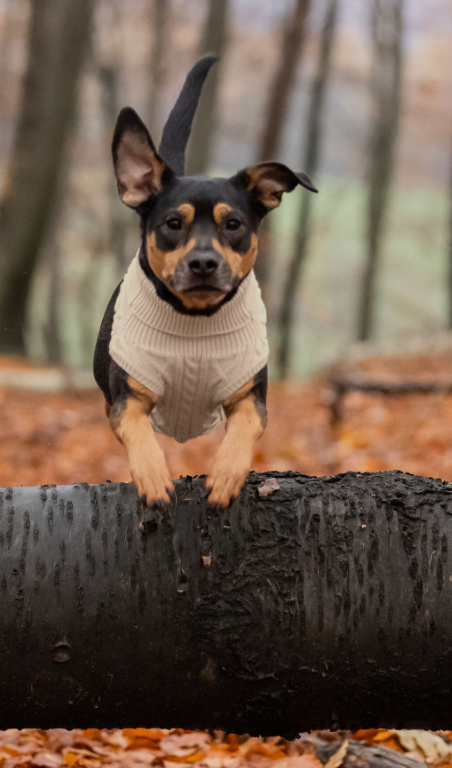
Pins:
x: 135, y: 748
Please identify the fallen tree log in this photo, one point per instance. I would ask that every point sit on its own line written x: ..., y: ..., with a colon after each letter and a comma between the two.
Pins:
x: 326, y: 603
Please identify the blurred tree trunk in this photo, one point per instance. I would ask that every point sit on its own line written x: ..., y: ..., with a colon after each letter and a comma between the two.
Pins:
x: 214, y: 40
x: 449, y: 307
x: 58, y: 40
x: 52, y: 337
x: 284, y: 80
x: 387, y: 33
x: 119, y: 216
x: 309, y: 166
x: 6, y: 33
x: 51, y: 255
x: 278, y: 107
x: 160, y: 22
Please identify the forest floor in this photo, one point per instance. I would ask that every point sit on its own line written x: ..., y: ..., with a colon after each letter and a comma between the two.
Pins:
x: 64, y: 437
x: 140, y: 747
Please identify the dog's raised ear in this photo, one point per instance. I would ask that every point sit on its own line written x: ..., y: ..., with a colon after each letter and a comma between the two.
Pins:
x: 266, y: 182
x: 140, y: 172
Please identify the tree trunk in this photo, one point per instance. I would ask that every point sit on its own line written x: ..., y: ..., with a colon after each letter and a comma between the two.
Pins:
x: 387, y: 29
x: 276, y: 115
x: 58, y: 37
x: 214, y: 41
x: 310, y: 166
x: 157, y: 75
x: 120, y: 218
x: 284, y: 80
x: 52, y: 336
x: 323, y: 604
x: 449, y: 275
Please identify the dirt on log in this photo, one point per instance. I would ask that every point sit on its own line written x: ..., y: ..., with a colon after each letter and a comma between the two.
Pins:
x: 324, y: 602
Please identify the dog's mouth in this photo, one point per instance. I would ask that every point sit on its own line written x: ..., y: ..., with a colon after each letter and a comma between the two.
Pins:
x: 204, y: 289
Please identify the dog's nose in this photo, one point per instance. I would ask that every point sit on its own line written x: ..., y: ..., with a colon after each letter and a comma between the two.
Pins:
x: 203, y: 264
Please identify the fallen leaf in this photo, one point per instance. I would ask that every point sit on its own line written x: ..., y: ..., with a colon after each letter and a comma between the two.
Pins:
x: 268, y: 487
x: 48, y: 760
x: 426, y: 743
x: 300, y: 761
x: 337, y: 759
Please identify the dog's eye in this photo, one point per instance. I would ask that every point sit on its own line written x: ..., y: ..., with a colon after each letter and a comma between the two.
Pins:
x: 174, y: 223
x: 233, y: 224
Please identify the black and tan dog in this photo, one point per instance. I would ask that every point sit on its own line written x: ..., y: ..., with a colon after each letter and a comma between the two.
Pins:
x: 183, y: 339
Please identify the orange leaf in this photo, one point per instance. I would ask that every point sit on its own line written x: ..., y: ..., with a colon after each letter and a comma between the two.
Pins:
x: 389, y: 740
x: 70, y: 758
x: 367, y: 734
x: 267, y: 750
x: 92, y: 733
x: 232, y: 741
x: 195, y: 757
x: 155, y: 734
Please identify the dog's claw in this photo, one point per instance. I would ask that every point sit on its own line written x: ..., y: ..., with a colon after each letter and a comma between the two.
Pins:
x: 153, y: 514
x: 149, y: 525
x: 218, y: 509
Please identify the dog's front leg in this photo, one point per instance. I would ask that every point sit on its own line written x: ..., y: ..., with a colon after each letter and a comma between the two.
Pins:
x: 129, y: 419
x: 246, y: 419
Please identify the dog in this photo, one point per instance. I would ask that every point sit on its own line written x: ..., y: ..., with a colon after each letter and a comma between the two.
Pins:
x: 183, y: 340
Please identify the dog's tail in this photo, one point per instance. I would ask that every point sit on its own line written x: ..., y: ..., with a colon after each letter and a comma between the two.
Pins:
x: 178, y: 126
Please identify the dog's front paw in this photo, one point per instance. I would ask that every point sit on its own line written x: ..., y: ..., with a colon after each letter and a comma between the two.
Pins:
x: 152, y: 479
x: 224, y: 483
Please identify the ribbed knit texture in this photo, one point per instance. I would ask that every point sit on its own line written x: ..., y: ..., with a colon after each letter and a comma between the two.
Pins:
x: 193, y: 362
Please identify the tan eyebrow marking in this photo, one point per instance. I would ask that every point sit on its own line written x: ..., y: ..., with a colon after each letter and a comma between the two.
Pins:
x: 188, y: 212
x: 219, y: 211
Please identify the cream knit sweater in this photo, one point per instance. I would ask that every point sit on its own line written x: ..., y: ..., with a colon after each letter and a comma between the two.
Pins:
x: 193, y: 362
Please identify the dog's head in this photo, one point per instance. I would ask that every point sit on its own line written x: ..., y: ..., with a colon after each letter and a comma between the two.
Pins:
x: 199, y: 234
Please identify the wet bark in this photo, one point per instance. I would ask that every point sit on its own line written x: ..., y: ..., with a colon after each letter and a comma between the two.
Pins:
x: 324, y: 604
x: 58, y: 40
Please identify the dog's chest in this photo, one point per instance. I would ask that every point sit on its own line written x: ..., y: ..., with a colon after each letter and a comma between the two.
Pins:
x: 193, y: 363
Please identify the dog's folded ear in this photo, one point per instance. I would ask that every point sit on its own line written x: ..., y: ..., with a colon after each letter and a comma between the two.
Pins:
x: 266, y: 182
x: 140, y: 172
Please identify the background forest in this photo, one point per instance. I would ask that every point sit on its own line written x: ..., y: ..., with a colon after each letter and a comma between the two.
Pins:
x: 358, y: 95
x: 357, y: 279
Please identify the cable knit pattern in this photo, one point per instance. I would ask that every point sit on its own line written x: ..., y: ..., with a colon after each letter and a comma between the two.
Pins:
x: 193, y: 362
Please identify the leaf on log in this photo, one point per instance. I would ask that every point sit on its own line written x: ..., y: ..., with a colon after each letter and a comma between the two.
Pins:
x: 268, y: 487
x: 338, y: 758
